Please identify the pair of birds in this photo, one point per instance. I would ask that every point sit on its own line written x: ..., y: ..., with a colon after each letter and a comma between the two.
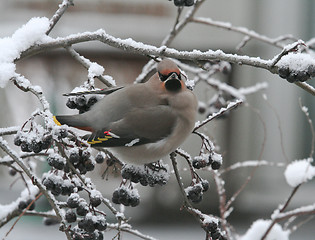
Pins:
x: 141, y: 123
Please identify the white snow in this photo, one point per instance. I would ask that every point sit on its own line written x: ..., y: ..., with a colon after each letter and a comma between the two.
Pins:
x: 23, y: 38
x: 299, y: 171
x: 258, y: 229
x: 95, y: 70
x: 296, y: 62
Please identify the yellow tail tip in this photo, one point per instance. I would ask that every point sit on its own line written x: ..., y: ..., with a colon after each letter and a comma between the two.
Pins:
x: 56, y: 121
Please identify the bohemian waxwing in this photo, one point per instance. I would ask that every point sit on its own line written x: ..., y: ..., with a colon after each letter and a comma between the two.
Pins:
x: 144, y: 122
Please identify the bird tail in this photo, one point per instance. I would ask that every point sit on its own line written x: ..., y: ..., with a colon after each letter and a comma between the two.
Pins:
x: 72, y: 121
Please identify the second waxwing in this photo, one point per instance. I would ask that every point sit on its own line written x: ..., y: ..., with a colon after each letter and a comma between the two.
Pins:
x: 141, y: 123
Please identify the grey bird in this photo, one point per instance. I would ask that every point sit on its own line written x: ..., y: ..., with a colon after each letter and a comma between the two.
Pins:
x: 144, y: 122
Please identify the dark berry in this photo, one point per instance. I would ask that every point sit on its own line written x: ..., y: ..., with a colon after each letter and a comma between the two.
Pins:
x: 74, y: 157
x: 205, y: 185
x: 48, y: 183
x: 82, y: 209
x: 215, y: 165
x: 284, y: 72
x: 179, y: 3
x: 46, y: 141
x: 88, y: 225
x: 101, y: 224
x: 115, y: 198
x: 17, y: 140
x: 199, y: 163
x: 36, y: 146
x: 63, y: 133
x: 22, y: 205
x: 82, y: 168
x: 85, y: 155
x: 99, y: 158
x: 215, y: 235
x: 189, y: 3
x: 95, y: 201
x: 12, y: 172
x: 80, y: 101
x: 25, y: 147
x: 70, y: 216
x: 73, y: 201
x: 89, y: 165
x: 92, y: 101
x: 211, y: 226
x: 194, y: 193
x: 71, y: 103
x: 57, y: 189
x: 134, y: 201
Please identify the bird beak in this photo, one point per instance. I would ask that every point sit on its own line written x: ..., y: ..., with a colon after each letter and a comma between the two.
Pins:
x: 173, y: 83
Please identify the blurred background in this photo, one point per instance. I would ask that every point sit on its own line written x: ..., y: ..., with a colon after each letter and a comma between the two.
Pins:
x: 239, y: 136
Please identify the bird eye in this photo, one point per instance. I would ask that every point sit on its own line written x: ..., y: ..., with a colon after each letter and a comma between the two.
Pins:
x: 162, y: 77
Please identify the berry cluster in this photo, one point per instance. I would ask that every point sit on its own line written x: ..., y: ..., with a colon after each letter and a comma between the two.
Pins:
x: 145, y: 175
x: 125, y: 196
x: 23, y: 204
x: 82, y: 102
x: 296, y: 76
x: 204, y: 160
x: 89, y: 226
x: 33, y: 142
x: 79, y: 234
x: 91, y: 223
x: 195, y: 192
x: 182, y: 3
x: 81, y: 159
x: 56, y: 161
x: 215, y: 233
x: 57, y: 185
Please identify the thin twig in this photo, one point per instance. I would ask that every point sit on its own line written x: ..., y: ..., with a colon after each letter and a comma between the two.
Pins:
x: 282, y: 208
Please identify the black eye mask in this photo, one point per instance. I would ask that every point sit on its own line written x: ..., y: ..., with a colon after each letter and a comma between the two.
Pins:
x: 163, y: 78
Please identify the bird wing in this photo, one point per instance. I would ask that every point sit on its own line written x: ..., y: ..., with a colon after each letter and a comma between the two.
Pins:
x: 139, y: 126
x: 104, y: 91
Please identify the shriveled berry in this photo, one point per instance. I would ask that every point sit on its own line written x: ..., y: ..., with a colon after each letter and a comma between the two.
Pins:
x: 80, y: 101
x: 92, y: 100
x: 71, y: 103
